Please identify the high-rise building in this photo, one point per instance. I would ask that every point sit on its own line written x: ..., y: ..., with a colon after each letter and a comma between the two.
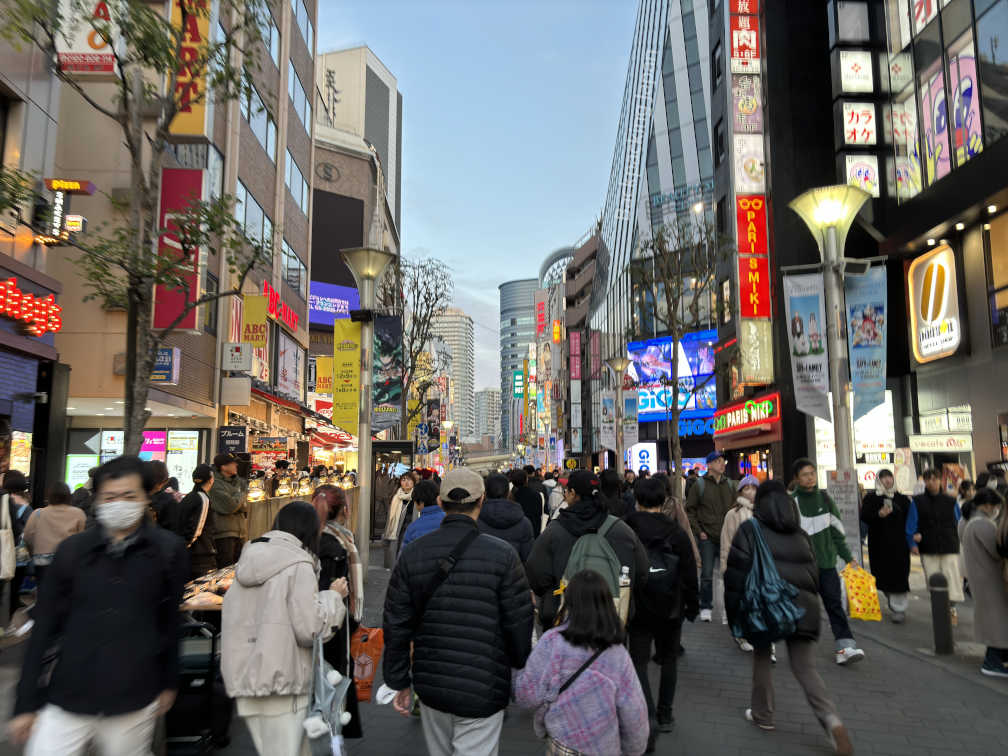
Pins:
x: 455, y: 329
x: 517, y: 332
x: 662, y: 172
x: 362, y: 98
x: 488, y: 414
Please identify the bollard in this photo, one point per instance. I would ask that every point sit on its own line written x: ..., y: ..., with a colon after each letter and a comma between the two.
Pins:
x: 941, y: 619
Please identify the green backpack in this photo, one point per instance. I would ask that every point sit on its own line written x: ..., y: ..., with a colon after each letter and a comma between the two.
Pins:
x: 593, y: 552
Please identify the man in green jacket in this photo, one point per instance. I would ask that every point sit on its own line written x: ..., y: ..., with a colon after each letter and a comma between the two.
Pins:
x: 820, y: 519
x: 707, y: 503
x: 227, y: 502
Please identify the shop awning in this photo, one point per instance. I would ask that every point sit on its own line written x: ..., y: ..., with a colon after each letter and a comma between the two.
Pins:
x: 757, y: 435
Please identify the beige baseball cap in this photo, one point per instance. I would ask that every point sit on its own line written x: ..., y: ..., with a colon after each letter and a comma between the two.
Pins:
x: 461, y: 486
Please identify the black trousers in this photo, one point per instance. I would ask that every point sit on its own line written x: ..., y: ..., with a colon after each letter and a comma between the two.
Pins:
x: 665, y: 635
x: 228, y: 550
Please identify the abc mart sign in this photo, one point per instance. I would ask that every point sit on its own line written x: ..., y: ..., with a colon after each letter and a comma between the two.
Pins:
x: 935, y: 325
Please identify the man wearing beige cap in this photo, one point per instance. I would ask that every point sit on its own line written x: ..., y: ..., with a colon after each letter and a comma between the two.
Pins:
x: 460, y: 598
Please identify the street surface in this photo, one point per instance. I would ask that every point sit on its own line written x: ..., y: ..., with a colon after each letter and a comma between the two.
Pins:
x: 900, y: 700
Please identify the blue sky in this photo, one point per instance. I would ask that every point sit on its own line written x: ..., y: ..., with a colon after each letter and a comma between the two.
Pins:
x: 511, y: 110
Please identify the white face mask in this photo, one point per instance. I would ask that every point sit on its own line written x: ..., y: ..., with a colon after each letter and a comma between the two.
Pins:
x: 119, y: 515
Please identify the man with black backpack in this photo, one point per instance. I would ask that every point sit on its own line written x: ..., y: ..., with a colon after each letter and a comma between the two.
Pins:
x: 667, y: 598
x: 584, y: 536
x: 458, y: 600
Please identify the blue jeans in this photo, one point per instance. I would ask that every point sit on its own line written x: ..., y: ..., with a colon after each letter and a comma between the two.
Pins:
x: 710, y: 553
x: 829, y: 589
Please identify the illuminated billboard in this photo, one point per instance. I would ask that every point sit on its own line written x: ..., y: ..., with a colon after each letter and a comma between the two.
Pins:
x: 651, y: 365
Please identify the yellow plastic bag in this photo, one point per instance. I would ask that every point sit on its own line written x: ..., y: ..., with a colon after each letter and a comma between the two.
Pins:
x: 862, y: 596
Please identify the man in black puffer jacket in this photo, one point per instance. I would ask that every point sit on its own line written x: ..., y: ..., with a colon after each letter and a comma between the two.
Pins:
x: 504, y: 518
x: 585, y: 513
x: 476, y: 626
x: 780, y: 525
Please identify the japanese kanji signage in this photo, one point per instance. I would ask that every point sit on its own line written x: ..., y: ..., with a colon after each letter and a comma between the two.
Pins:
x: 752, y: 224
x: 745, y: 55
x: 859, y: 126
x: 754, y: 287
x: 856, y: 71
x: 747, y: 104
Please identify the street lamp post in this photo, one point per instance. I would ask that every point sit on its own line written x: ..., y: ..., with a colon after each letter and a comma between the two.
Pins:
x: 619, y: 367
x: 828, y: 212
x: 367, y: 265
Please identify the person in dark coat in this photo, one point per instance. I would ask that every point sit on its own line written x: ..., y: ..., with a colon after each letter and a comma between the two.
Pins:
x: 932, y: 531
x: 612, y: 494
x: 110, y: 599
x: 776, y: 516
x: 532, y: 503
x: 885, y: 511
x: 585, y: 513
x: 161, y: 497
x: 661, y: 625
x: 190, y: 519
x: 504, y: 519
x: 457, y: 647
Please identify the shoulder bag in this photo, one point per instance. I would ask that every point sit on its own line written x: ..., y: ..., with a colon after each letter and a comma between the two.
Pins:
x: 8, y: 559
x: 570, y: 681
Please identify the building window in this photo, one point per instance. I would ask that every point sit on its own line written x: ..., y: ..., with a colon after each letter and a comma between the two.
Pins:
x: 210, y: 288
x: 996, y: 243
x: 296, y: 184
x: 302, y: 105
x: 270, y: 36
x: 717, y: 66
x: 992, y: 48
x: 300, y: 12
x: 294, y: 271
x: 719, y: 143
x: 250, y: 214
x: 260, y: 121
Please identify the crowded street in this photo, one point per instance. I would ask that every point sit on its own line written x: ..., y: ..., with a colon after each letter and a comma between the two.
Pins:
x: 564, y: 377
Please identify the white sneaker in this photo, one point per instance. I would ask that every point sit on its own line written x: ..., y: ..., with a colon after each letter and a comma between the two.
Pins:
x: 749, y: 718
x: 705, y: 615
x: 773, y: 653
x: 849, y: 656
x: 744, y: 644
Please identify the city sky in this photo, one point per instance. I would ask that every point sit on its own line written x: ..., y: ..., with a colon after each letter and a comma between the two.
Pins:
x: 510, y: 115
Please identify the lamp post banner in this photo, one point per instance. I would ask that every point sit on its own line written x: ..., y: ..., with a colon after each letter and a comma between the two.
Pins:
x: 804, y: 297
x: 388, y: 373
x: 630, y: 427
x: 865, y: 298
x: 607, y: 428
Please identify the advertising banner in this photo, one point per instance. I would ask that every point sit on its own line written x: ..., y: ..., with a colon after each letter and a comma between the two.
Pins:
x: 179, y: 187
x: 323, y: 375
x: 167, y: 366
x: 191, y: 90
x: 540, y: 312
x: 755, y: 353
x: 272, y: 444
x: 596, y: 354
x: 388, y: 373
x: 575, y: 355
x: 695, y: 387
x: 630, y: 428
x: 433, y: 422
x: 804, y: 306
x: 750, y: 171
x: 290, y: 368
x: 607, y: 426
x: 935, y: 326
x: 865, y: 298
x: 750, y: 212
x: 576, y: 441
x: 517, y: 383
x: 81, y: 49
x: 346, y: 375
x: 231, y: 439
x: 255, y: 322
x: 328, y: 303
x: 745, y: 52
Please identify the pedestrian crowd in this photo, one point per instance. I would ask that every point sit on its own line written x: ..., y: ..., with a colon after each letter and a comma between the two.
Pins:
x: 556, y: 593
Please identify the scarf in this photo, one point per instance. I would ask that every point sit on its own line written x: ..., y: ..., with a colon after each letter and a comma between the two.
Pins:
x: 355, y: 570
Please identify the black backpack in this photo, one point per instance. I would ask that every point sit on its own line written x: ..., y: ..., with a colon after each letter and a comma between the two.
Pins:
x: 661, y: 593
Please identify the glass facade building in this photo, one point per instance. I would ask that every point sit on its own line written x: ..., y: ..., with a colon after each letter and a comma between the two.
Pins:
x: 517, y: 331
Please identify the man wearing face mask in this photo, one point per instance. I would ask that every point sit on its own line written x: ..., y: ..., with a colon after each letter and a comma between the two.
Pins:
x: 111, y: 600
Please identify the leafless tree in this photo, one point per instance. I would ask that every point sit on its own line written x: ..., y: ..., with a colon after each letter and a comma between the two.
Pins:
x: 420, y: 290
x: 675, y: 283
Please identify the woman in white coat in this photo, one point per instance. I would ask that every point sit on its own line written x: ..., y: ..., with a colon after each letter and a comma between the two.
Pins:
x: 271, y: 615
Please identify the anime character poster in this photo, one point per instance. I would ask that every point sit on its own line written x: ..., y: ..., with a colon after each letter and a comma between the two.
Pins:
x: 386, y: 410
x: 865, y: 298
x: 804, y: 299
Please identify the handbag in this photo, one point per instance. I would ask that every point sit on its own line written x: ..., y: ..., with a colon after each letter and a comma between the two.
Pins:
x: 327, y: 706
x: 862, y: 596
x: 767, y: 612
x: 8, y: 558
x: 570, y: 681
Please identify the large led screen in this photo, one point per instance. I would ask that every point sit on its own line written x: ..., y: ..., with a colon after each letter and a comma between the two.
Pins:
x: 651, y: 363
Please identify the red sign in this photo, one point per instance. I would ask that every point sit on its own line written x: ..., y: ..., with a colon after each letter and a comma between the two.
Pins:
x: 179, y: 187
x: 39, y: 314
x: 278, y: 309
x: 752, y: 413
x: 540, y: 318
x: 596, y: 355
x: 754, y: 287
x: 574, y: 337
x: 750, y: 210
x: 557, y: 332
x: 745, y: 37
x: 744, y: 7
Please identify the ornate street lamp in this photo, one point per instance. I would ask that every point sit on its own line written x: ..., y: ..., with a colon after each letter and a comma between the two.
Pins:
x: 619, y: 367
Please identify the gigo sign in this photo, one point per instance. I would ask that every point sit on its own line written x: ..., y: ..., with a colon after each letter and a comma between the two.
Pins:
x: 934, y: 305
x: 759, y: 411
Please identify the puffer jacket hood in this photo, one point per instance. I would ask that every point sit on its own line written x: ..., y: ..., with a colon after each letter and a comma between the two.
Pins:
x: 266, y: 557
x: 778, y: 511
x: 651, y: 528
x: 501, y: 514
x: 506, y: 520
x: 584, y: 516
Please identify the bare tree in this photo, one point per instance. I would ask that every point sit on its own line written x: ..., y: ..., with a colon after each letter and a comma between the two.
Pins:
x: 420, y: 290
x: 158, y: 61
x: 675, y: 274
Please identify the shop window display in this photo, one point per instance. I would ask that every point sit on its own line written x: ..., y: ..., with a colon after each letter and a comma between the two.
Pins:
x: 934, y: 122
x: 997, y: 266
x: 992, y: 49
x: 964, y: 116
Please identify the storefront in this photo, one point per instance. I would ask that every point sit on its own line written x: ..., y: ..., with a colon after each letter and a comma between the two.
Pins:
x: 874, y: 443
x: 32, y: 382
x: 749, y: 433
x: 182, y: 449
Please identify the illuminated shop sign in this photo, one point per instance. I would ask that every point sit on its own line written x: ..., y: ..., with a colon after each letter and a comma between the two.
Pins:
x: 278, y: 309
x: 753, y: 413
x: 40, y: 315
x: 934, y: 305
